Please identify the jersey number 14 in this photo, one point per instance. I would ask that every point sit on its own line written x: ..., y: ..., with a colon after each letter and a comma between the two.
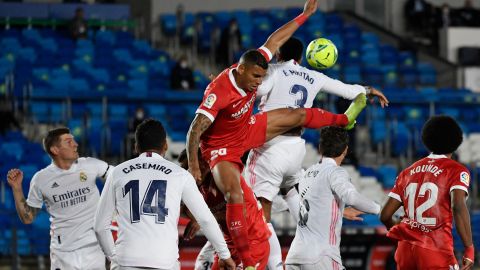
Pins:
x: 417, y: 213
x: 156, y: 189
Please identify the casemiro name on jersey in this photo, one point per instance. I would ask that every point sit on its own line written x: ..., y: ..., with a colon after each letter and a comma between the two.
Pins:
x: 302, y: 74
x: 146, y: 166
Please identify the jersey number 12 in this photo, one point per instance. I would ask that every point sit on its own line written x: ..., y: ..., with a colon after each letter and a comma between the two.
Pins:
x: 417, y: 213
x: 156, y: 189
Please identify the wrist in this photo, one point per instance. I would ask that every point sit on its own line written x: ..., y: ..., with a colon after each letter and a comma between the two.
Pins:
x: 469, y: 253
x: 300, y: 19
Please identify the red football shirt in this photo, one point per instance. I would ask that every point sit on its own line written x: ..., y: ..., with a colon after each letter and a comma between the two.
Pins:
x: 257, y: 228
x: 229, y: 108
x: 424, y: 188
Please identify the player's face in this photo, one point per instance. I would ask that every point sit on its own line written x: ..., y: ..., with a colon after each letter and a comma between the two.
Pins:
x: 67, y: 149
x: 251, y: 76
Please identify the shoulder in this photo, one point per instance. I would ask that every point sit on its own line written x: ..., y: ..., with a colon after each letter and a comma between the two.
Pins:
x: 43, y: 175
x: 90, y: 161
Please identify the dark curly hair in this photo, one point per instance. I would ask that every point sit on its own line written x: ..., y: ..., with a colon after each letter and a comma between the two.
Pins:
x: 333, y: 141
x: 442, y: 135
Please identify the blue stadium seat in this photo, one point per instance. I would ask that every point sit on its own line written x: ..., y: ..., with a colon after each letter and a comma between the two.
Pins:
x: 387, y: 175
x: 401, y: 137
x: 378, y: 132
x: 168, y: 22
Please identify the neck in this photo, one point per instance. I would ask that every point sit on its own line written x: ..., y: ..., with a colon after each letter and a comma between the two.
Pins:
x: 237, y: 80
x: 63, y: 164
x: 339, y: 160
x: 161, y: 153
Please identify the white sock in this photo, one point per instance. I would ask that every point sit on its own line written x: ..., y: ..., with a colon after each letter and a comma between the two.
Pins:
x: 275, y: 258
x: 293, y: 201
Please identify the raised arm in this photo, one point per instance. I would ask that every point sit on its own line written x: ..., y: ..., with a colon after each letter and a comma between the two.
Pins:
x: 198, y: 126
x: 462, y: 223
x: 282, y: 34
x: 26, y: 213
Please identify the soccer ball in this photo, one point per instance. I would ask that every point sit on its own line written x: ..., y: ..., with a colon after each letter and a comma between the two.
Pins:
x: 321, y: 53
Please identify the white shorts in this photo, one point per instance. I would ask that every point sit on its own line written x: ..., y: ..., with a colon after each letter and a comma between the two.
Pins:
x: 89, y: 257
x: 205, y: 258
x: 325, y: 263
x: 277, y: 164
x: 118, y: 267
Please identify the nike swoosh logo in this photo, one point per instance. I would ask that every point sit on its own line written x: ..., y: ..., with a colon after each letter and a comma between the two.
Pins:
x: 236, y: 104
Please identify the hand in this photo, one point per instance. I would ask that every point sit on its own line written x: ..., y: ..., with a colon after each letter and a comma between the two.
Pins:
x: 194, y: 170
x: 351, y: 213
x: 310, y: 7
x: 227, y: 264
x: 191, y: 229
x: 381, y: 97
x: 15, y: 178
x: 468, y: 258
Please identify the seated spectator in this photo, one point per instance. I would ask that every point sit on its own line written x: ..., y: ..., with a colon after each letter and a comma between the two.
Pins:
x: 7, y: 115
x: 78, y: 25
x: 182, y: 76
x: 416, y: 13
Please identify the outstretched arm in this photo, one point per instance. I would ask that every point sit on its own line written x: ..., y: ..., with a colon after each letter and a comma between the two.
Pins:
x: 198, y: 126
x: 462, y: 223
x: 26, y: 213
x: 282, y: 34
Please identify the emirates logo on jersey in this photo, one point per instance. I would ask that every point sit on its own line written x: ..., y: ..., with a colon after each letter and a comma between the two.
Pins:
x: 244, y: 109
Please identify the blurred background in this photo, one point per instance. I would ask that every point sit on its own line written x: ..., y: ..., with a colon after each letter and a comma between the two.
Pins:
x: 101, y: 67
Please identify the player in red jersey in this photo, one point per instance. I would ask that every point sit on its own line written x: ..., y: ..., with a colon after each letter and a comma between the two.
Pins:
x: 430, y: 190
x: 224, y: 126
x: 258, y: 232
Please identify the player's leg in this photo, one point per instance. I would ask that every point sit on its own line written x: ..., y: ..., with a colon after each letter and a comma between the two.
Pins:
x: 275, y: 256
x: 280, y: 121
x: 92, y: 257
x: 227, y: 178
x: 205, y: 258
x: 260, y: 253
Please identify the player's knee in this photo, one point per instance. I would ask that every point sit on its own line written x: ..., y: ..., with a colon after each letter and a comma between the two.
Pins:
x: 233, y: 193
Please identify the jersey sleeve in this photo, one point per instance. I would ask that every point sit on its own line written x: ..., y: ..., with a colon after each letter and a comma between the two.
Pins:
x: 196, y: 204
x: 101, y: 167
x: 345, y: 190
x: 338, y: 88
x: 396, y: 192
x: 460, y: 179
x: 104, y: 217
x: 267, y: 82
x: 35, y: 197
x: 214, y: 100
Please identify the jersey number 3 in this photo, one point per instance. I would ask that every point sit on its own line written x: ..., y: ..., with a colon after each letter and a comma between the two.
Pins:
x: 156, y: 189
x: 417, y: 213
x: 300, y: 102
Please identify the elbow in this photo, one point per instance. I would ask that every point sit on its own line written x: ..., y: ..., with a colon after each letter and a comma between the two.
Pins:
x: 385, y: 218
x: 27, y: 221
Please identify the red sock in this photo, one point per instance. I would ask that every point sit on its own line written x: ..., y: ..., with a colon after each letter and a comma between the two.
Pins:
x: 237, y: 226
x: 317, y: 118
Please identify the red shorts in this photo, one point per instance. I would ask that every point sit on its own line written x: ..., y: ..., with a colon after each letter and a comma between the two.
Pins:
x: 255, y: 137
x: 412, y: 257
x: 260, y: 252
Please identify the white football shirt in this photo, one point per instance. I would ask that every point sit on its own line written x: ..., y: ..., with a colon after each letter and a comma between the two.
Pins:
x: 71, y: 198
x: 146, y: 192
x: 324, y: 190
x: 289, y: 85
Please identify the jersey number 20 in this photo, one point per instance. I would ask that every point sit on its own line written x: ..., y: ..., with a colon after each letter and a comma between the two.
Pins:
x: 156, y: 189
x: 417, y: 213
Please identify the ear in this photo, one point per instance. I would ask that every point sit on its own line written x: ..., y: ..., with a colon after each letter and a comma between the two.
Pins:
x: 136, y: 149
x: 165, y: 147
x: 241, y: 69
x: 54, y: 150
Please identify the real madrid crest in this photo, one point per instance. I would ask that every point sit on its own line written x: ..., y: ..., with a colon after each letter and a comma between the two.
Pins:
x: 83, y: 177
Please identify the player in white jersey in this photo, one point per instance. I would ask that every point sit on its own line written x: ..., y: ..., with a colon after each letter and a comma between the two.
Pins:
x: 277, y: 164
x: 146, y: 192
x: 67, y: 187
x: 325, y: 190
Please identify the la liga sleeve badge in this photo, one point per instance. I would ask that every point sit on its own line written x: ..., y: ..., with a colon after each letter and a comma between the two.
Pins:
x: 210, y: 100
x: 465, y: 178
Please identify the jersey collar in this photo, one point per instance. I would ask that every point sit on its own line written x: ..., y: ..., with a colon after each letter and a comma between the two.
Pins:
x: 327, y: 160
x: 433, y: 156
x: 232, y: 80
x: 150, y: 154
x: 53, y: 167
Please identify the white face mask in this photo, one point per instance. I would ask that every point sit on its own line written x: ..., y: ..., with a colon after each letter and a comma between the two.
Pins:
x: 139, y: 115
x: 183, y: 64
